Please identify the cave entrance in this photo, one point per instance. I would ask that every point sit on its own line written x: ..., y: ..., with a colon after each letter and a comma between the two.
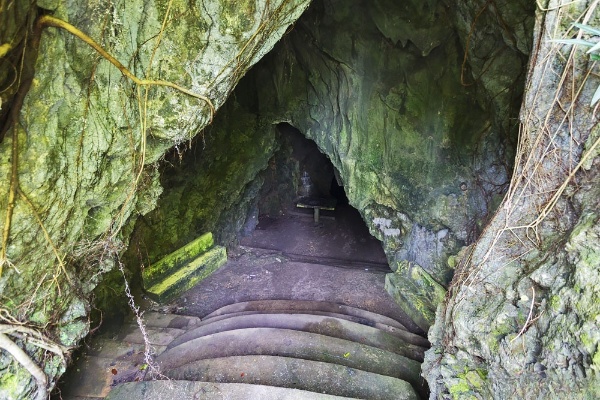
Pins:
x: 303, y: 210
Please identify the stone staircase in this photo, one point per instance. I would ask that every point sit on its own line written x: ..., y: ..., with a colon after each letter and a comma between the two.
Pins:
x: 297, y: 348
x: 281, y: 349
x: 268, y: 349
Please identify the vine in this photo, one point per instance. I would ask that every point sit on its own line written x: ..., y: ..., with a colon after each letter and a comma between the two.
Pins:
x: 13, y: 325
x: 12, y: 328
x: 48, y: 20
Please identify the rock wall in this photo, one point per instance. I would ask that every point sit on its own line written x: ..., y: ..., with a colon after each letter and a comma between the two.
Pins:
x: 521, y: 317
x: 423, y: 156
x: 415, y: 104
x: 419, y: 132
x: 79, y: 151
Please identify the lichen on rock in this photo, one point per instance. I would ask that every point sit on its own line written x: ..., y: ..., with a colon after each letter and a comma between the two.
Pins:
x: 88, y: 138
x: 519, y: 306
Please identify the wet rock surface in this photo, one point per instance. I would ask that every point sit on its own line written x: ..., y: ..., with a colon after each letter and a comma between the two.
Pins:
x: 78, y: 155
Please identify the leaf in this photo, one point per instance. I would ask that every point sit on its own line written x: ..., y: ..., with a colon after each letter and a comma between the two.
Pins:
x: 574, y: 41
x: 587, y: 29
x: 346, y: 355
x: 143, y: 367
x: 595, y: 48
x: 596, y: 96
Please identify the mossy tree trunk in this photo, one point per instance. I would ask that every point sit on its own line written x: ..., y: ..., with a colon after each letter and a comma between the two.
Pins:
x: 520, y: 319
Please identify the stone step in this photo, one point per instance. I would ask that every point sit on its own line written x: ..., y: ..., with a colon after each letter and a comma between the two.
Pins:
x: 155, y: 336
x: 184, y: 390
x: 328, y: 326
x: 165, y: 267
x: 306, y: 306
x: 161, y: 330
x: 120, y: 357
x: 290, y: 343
x: 188, y: 275
x: 407, y: 336
x: 296, y: 373
x: 161, y: 320
x: 108, y: 347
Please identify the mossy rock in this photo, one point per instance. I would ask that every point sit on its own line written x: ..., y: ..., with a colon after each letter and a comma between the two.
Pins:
x: 171, y: 263
x: 416, y: 292
x: 189, y: 275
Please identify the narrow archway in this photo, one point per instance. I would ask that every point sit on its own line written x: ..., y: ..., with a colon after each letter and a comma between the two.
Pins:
x: 303, y: 210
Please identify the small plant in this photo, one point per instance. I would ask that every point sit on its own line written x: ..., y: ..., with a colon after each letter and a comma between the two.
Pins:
x: 594, y: 50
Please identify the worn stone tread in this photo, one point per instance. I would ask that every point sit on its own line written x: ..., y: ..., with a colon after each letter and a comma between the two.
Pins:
x: 407, y: 336
x: 296, y: 373
x: 110, y: 348
x: 290, y: 343
x: 323, y: 325
x: 160, y: 320
x: 306, y: 306
x: 156, y: 336
x: 188, y: 390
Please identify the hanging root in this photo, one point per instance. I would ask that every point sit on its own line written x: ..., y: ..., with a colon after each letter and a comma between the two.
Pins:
x: 47, y: 20
x: 40, y: 377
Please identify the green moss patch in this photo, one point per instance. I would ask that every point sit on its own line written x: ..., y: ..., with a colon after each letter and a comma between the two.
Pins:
x: 189, y: 275
x: 416, y: 292
x: 159, y: 270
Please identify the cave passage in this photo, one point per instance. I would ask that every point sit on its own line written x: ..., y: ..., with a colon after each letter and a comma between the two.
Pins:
x: 300, y: 173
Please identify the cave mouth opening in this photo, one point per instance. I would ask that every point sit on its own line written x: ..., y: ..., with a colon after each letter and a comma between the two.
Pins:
x: 303, y: 210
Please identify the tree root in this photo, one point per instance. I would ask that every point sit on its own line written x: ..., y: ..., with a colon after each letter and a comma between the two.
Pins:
x: 38, y: 374
x: 48, y: 20
x: 37, y: 339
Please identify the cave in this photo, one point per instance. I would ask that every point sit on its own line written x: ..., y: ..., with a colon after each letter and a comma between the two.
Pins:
x: 406, y: 180
x: 298, y: 169
x: 298, y: 180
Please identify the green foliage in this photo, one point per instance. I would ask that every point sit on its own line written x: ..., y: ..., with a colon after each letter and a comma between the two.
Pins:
x: 593, y: 51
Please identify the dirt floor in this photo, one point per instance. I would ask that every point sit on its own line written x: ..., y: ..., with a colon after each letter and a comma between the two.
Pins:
x: 292, y: 258
x: 340, y: 235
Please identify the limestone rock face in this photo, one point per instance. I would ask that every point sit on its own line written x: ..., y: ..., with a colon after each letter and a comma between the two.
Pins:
x: 80, y: 156
x: 521, y: 317
x: 377, y: 86
x: 423, y: 156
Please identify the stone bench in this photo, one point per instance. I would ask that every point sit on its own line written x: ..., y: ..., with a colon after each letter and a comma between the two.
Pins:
x: 317, y: 204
